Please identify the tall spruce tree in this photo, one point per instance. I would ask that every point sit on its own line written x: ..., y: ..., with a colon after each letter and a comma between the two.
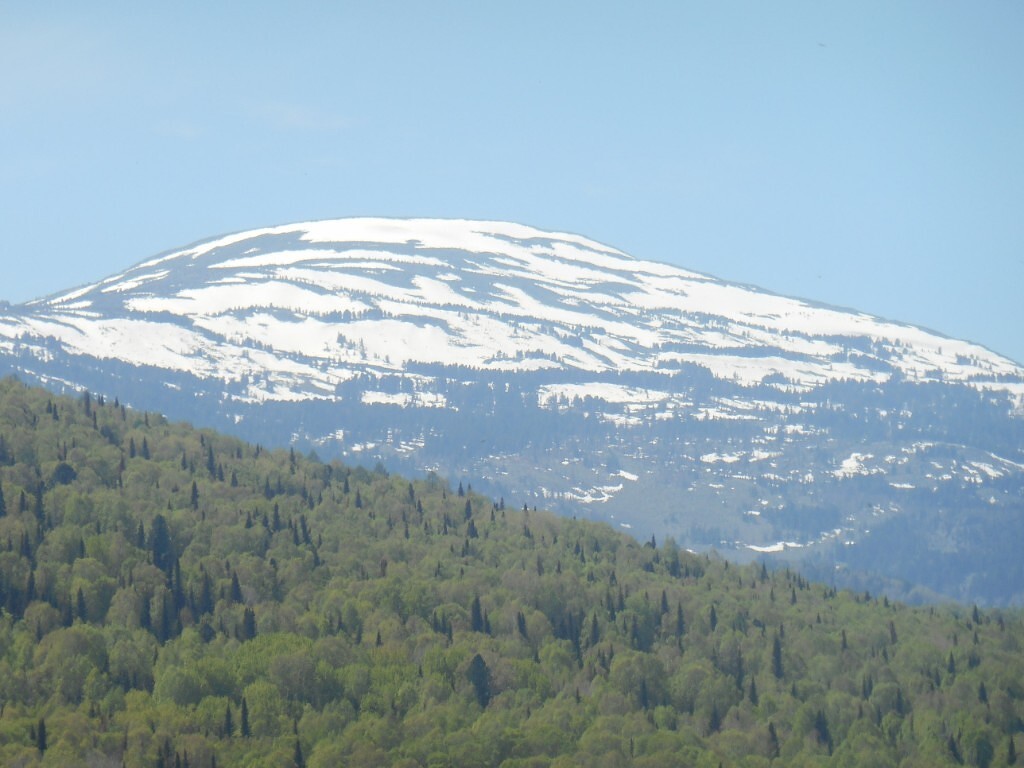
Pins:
x: 244, y: 720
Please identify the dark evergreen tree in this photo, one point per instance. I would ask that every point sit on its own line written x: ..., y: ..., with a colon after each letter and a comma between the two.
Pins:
x: 145, y: 617
x: 244, y: 720
x: 160, y: 544
x: 714, y: 719
x: 480, y: 678
x: 37, y: 509
x: 954, y: 749
x: 822, y: 730
x: 777, y: 658
x: 521, y: 625
x: 476, y: 616
x: 41, y: 736
x: 248, y: 624
x: 81, y: 611
x: 205, y: 602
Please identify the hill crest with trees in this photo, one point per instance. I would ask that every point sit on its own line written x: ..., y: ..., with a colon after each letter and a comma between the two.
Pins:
x: 172, y: 596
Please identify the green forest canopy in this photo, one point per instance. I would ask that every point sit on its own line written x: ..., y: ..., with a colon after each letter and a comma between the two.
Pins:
x: 175, y: 597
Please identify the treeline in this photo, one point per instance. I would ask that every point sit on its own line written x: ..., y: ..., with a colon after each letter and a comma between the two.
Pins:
x: 175, y: 597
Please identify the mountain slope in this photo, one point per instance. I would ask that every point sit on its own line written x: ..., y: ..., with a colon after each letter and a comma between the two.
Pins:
x: 177, y: 597
x: 567, y: 374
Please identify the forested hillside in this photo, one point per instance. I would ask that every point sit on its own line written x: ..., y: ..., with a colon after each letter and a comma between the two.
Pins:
x: 175, y: 597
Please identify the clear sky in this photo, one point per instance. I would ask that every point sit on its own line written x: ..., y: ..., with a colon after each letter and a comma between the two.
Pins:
x: 864, y: 154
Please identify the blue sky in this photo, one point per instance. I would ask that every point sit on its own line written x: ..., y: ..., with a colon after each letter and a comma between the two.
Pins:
x: 864, y: 154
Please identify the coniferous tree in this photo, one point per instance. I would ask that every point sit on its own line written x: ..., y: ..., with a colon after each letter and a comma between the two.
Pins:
x: 80, y: 608
x: 145, y: 616
x: 41, y: 735
x: 714, y: 719
x: 777, y: 658
x: 244, y: 720
x: 954, y: 749
x: 476, y: 617
x: 37, y: 509
x: 822, y: 729
x: 205, y: 603
x: 160, y: 544
x: 480, y: 678
x: 248, y: 624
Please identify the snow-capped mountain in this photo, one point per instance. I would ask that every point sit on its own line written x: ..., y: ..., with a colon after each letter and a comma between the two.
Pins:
x: 553, y: 370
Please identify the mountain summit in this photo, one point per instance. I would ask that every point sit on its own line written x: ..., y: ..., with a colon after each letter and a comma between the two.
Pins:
x: 331, y: 299
x: 555, y: 371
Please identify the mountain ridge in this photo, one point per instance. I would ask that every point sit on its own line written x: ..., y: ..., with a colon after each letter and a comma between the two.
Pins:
x: 553, y: 368
x: 284, y: 281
